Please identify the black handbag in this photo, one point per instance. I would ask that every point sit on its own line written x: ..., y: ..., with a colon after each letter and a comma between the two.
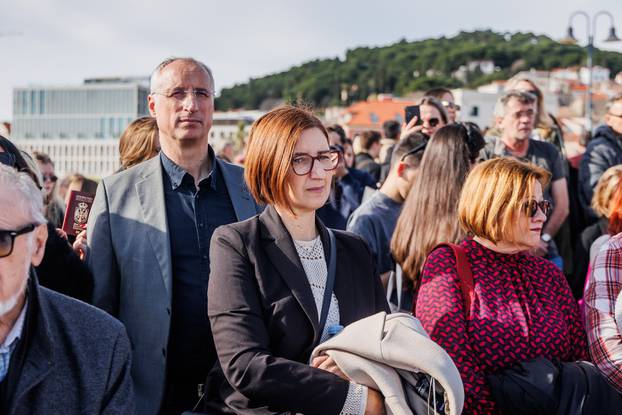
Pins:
x: 544, y: 387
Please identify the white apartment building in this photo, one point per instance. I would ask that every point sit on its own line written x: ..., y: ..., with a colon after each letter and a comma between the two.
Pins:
x: 91, y: 157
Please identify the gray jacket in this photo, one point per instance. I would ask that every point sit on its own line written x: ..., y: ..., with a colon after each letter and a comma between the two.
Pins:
x: 604, y: 151
x: 77, y: 359
x: 385, y: 352
x: 130, y: 257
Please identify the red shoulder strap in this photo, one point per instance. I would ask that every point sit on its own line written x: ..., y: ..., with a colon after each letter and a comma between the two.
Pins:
x: 465, y: 275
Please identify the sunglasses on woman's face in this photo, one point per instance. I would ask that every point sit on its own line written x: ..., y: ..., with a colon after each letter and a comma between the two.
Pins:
x: 49, y: 177
x: 433, y: 122
x: 531, y: 207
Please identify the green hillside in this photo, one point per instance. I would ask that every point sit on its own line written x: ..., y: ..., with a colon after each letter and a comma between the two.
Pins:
x: 410, y: 66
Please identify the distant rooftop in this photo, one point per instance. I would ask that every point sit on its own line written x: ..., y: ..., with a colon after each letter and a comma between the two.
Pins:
x: 143, y: 80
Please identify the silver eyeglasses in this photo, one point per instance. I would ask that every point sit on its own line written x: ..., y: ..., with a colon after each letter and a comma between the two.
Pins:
x: 179, y: 94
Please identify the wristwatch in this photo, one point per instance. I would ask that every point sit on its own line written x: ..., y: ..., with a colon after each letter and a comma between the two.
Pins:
x: 546, y: 237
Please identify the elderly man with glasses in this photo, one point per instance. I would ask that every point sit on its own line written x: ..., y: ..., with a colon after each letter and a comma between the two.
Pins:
x: 603, y: 151
x: 57, y: 354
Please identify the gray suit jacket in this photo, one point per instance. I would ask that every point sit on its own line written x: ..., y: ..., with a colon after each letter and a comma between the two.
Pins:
x: 130, y: 257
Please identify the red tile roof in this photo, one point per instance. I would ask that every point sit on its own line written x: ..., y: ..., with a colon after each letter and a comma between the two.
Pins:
x: 373, y: 113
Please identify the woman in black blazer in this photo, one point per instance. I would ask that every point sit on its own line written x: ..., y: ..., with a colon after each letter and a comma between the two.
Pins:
x: 268, y: 276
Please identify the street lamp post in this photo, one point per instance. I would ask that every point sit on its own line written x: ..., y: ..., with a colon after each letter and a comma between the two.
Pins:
x: 591, y: 30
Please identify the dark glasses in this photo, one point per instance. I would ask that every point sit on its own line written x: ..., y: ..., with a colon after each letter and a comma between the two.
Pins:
x: 49, y: 177
x: 7, y: 159
x: 415, y: 150
x: 531, y: 207
x: 433, y: 122
x: 535, y: 93
x: 449, y: 104
x: 7, y: 239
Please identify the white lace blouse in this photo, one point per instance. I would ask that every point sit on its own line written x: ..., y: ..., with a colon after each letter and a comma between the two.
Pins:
x: 311, y: 255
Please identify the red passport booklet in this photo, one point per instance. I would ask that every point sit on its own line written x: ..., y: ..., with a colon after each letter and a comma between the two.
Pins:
x: 77, y: 213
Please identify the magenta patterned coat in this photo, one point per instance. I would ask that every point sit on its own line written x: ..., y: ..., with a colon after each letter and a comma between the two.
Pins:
x: 523, y: 309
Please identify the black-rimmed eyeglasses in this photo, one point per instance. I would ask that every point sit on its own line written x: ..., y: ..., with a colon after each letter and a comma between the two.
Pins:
x: 302, y: 163
x: 7, y: 239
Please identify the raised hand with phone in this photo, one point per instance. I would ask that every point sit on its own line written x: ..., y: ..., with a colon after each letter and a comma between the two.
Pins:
x: 427, y: 117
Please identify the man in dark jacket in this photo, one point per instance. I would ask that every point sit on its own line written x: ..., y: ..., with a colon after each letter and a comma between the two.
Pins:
x: 604, y: 151
x: 370, y: 150
x: 57, y: 355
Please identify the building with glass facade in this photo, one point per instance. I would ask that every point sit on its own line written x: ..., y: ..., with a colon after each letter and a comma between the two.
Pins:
x: 97, y: 109
x: 79, y: 126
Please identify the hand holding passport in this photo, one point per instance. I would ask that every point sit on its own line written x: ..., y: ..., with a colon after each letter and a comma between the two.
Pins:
x: 77, y: 213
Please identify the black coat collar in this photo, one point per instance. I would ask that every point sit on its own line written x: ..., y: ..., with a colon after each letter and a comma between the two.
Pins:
x: 281, y: 251
x: 40, y: 342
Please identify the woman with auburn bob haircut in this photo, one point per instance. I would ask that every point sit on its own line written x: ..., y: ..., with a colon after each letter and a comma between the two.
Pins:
x: 269, y: 275
x: 522, y: 307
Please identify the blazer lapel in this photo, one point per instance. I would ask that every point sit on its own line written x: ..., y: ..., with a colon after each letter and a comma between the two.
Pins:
x: 282, y: 253
x: 243, y: 204
x: 150, y: 193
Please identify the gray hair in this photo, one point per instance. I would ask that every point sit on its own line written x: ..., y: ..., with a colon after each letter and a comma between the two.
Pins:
x: 24, y: 192
x: 522, y: 96
x: 158, y: 69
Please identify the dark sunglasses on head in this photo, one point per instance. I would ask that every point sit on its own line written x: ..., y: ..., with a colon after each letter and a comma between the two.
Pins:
x: 7, y: 159
x: 7, y: 239
x: 533, y: 92
x: 415, y: 150
x: 49, y: 177
x: 531, y: 207
x: 449, y: 104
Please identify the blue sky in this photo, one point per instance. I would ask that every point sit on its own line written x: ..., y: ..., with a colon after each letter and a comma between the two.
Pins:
x: 65, y: 41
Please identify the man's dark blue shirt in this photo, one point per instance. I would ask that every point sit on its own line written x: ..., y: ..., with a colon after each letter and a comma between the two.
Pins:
x: 192, y: 217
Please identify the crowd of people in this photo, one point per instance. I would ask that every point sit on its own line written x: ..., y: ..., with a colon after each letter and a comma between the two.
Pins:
x: 427, y: 268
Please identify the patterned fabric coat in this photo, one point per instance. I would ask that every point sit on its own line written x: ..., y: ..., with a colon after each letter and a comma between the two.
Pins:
x: 523, y: 309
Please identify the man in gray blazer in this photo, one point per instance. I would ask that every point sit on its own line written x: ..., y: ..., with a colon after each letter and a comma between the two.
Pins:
x: 149, y: 233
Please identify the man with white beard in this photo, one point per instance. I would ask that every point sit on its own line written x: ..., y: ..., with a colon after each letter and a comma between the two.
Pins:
x: 57, y: 354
